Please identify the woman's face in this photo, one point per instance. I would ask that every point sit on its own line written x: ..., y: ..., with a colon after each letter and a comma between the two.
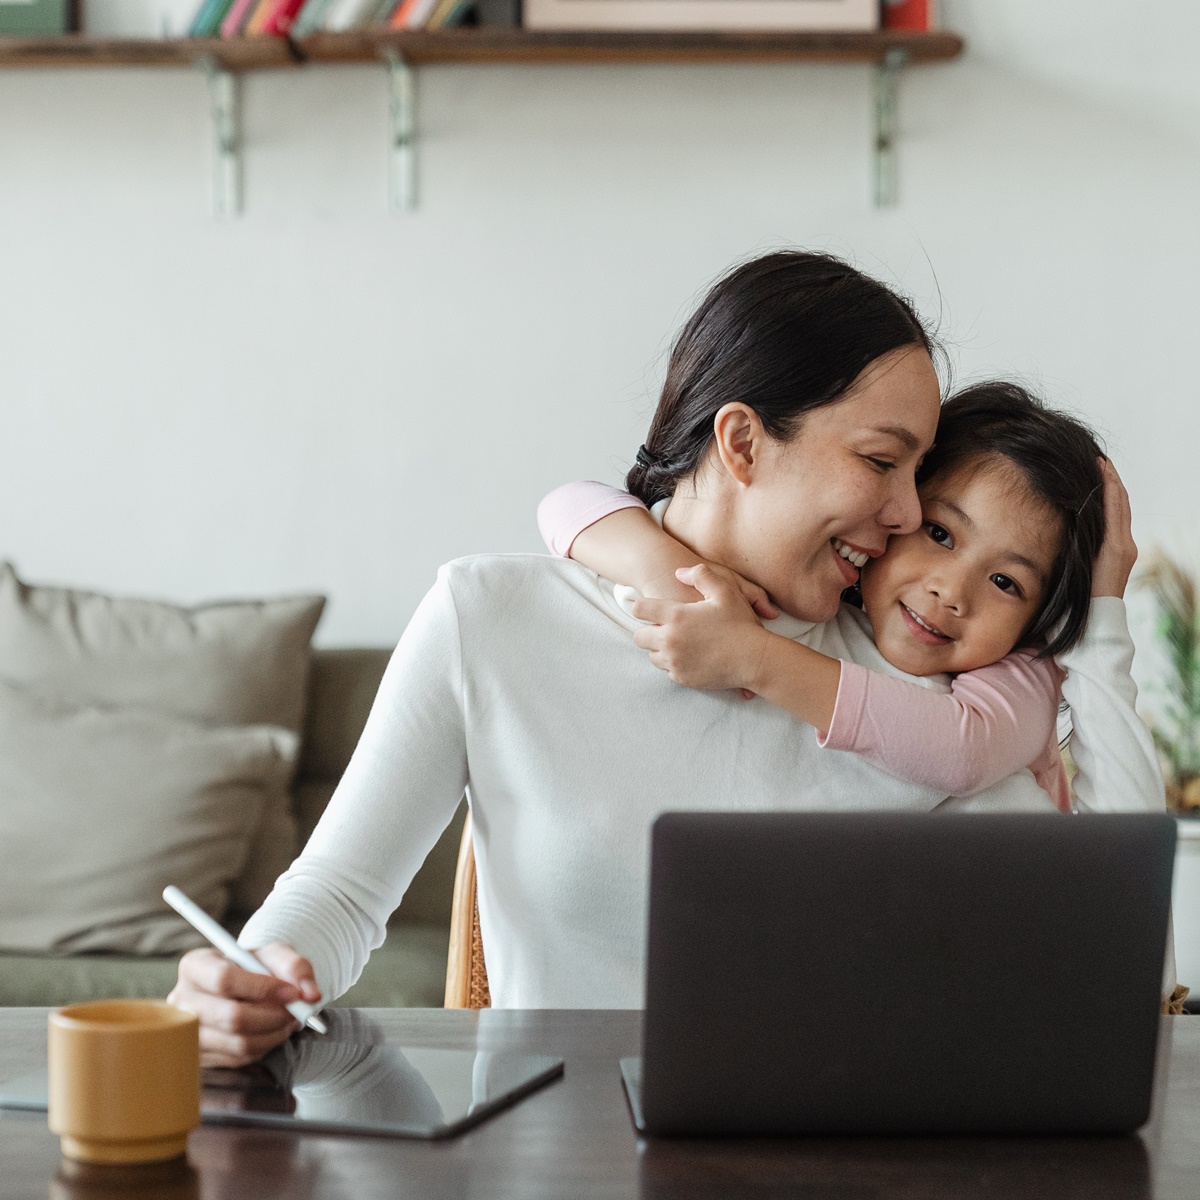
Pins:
x: 822, y: 503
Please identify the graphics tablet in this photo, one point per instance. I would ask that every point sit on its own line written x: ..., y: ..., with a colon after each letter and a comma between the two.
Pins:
x: 353, y: 1081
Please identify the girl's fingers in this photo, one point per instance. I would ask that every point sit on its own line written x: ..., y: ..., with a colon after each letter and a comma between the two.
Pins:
x: 764, y: 607
x: 710, y: 584
x: 727, y: 589
x: 657, y: 612
x: 649, y: 637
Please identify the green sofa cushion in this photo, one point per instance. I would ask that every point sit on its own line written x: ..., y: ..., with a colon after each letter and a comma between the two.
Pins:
x: 407, y: 971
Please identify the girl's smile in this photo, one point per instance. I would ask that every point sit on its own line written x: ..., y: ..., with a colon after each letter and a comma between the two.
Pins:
x: 923, y: 631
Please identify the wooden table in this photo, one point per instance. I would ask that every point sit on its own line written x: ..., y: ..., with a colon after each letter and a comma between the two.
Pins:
x: 574, y: 1139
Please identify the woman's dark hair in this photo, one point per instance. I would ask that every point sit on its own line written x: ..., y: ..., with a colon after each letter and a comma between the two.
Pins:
x: 786, y: 334
x: 1059, y: 457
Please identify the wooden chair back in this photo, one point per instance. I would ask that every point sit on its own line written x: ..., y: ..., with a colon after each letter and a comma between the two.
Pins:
x: 466, y: 972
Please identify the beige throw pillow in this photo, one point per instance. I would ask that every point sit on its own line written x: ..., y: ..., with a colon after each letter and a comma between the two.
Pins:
x: 101, y: 808
x: 232, y: 663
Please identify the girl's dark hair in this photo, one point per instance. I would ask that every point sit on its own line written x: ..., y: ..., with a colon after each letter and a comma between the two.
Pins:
x: 786, y: 334
x: 1059, y: 457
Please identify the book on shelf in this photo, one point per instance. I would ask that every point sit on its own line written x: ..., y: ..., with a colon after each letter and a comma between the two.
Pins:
x: 311, y: 17
x: 447, y: 13
x: 764, y: 15
x: 273, y: 18
x: 279, y: 23
x: 208, y: 18
x: 243, y: 18
x: 299, y: 18
x: 412, y: 14
x: 342, y: 15
x: 258, y: 14
x: 909, y: 14
x: 34, y: 18
x: 237, y: 16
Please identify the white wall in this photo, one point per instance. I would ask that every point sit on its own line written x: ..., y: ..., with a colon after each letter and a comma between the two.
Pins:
x: 321, y: 395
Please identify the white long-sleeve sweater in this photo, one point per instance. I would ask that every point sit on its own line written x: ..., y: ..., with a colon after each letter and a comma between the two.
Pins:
x: 518, y: 680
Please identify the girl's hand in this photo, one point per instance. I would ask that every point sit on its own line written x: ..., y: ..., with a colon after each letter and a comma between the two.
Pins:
x: 1118, y: 552
x: 678, y: 586
x: 242, y: 1015
x: 762, y: 604
x: 716, y: 642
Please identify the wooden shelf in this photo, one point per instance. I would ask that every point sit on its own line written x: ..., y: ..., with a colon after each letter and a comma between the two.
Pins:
x: 478, y: 45
x: 79, y: 50
x: 571, y: 46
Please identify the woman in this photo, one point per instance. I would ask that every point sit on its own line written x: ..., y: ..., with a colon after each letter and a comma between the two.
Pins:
x: 518, y: 678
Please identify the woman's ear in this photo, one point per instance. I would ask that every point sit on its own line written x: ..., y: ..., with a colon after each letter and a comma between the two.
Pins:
x: 739, y: 440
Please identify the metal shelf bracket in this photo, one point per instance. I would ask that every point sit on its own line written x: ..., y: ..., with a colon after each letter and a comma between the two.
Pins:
x: 402, y: 108
x: 887, y: 86
x: 225, y: 96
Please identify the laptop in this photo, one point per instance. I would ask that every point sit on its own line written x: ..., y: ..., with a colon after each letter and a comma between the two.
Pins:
x: 876, y: 973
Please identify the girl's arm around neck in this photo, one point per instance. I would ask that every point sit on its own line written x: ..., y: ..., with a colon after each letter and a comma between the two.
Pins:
x: 994, y: 721
x: 566, y: 512
x: 613, y: 533
x: 799, y: 680
x: 631, y: 547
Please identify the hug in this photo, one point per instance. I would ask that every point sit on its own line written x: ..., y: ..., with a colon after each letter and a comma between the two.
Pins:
x: 857, y: 597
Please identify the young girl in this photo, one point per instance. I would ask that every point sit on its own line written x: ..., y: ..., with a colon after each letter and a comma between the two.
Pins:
x: 975, y: 605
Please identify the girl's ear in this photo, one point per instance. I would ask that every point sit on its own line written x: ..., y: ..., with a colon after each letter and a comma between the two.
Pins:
x: 739, y: 440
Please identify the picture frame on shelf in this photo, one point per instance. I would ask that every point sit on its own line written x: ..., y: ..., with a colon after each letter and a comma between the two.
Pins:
x: 666, y: 15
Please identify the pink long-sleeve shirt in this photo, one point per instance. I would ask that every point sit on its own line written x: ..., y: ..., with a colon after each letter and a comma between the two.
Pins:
x: 992, y: 722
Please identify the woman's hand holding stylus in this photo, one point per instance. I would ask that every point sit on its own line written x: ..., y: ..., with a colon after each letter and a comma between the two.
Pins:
x: 242, y: 1015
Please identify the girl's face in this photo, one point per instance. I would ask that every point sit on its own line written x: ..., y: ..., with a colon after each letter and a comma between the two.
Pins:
x: 960, y: 592
x: 843, y: 485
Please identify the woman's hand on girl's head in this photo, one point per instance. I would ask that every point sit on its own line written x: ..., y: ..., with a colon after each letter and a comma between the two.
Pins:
x: 714, y: 643
x: 1118, y: 552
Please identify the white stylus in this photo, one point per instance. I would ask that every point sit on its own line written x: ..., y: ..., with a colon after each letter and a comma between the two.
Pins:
x: 200, y: 921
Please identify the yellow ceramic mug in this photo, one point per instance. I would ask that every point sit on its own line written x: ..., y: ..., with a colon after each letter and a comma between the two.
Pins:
x: 124, y: 1080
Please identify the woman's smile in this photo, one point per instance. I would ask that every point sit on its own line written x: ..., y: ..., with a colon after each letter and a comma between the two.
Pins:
x: 850, y: 556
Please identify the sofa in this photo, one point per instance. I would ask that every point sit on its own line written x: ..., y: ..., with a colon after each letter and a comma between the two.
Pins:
x: 408, y: 970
